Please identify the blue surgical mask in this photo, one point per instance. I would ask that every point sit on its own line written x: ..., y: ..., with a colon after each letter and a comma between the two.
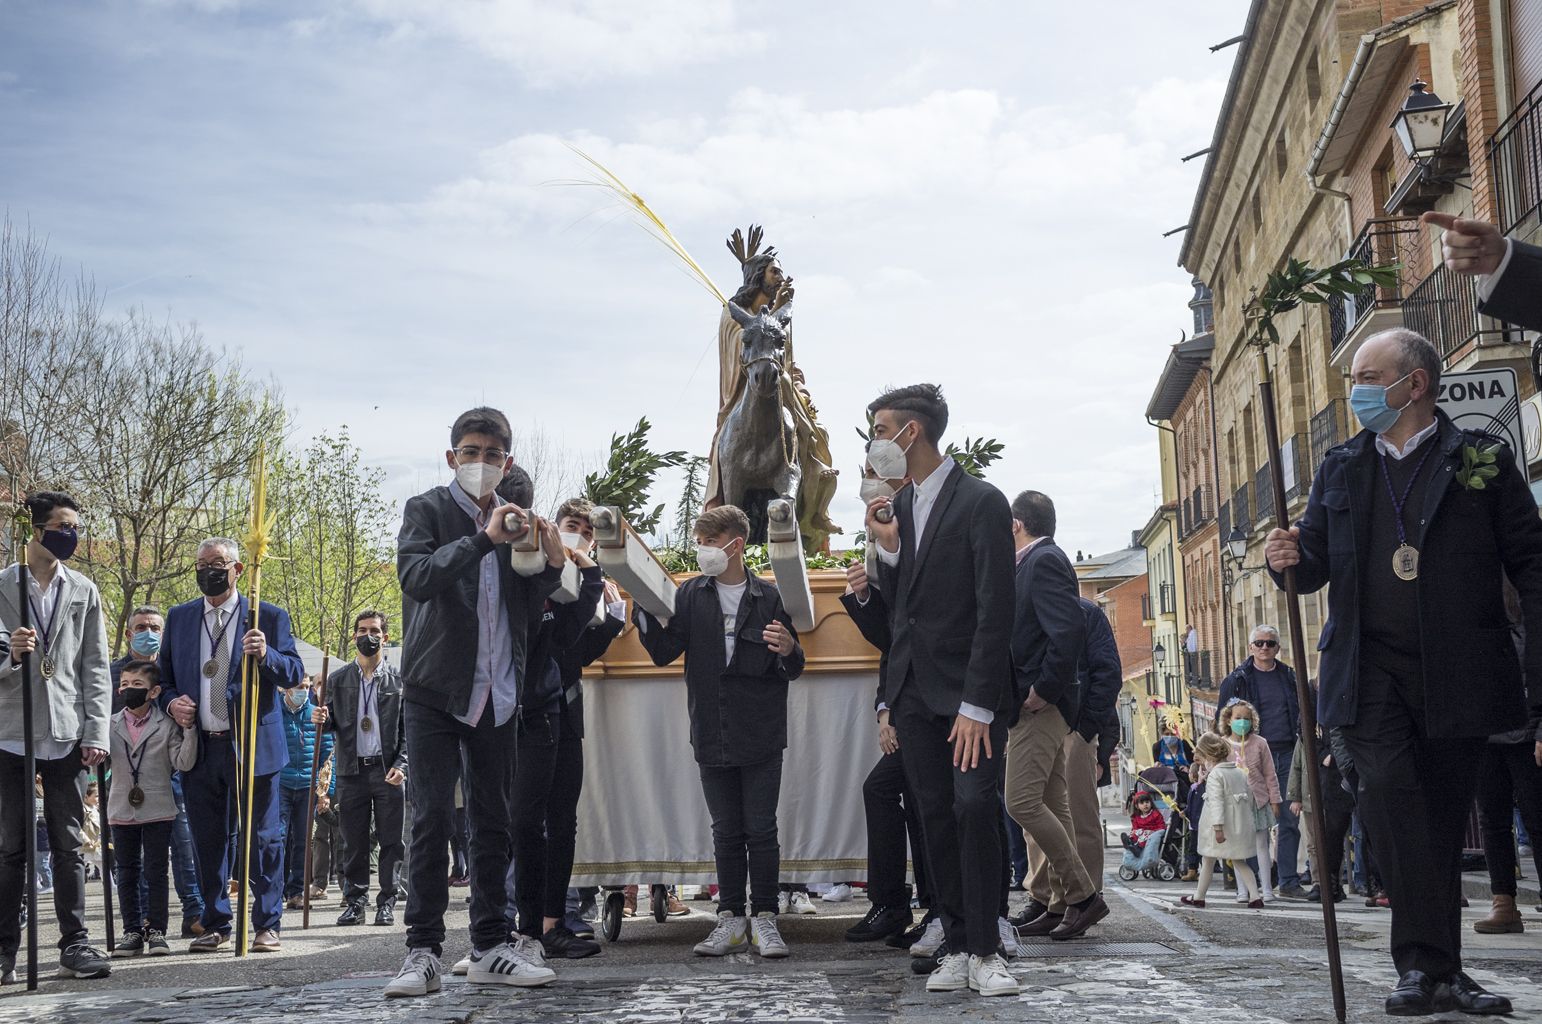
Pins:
x: 1241, y: 726
x: 146, y: 644
x: 1369, y: 401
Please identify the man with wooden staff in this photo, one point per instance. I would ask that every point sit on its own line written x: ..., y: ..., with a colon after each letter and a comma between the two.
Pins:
x: 201, y: 685
x: 1417, y: 524
x: 72, y: 707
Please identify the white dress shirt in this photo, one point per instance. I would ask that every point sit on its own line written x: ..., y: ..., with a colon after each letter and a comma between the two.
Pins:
x: 367, y: 741
x: 926, y: 492
x: 1389, y: 449
x: 496, y: 678
x: 207, y: 631
x: 44, y: 604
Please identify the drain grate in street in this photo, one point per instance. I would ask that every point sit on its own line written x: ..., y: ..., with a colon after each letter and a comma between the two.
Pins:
x: 1059, y: 949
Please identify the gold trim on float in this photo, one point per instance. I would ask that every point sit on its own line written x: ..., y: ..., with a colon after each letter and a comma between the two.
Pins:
x: 643, y: 867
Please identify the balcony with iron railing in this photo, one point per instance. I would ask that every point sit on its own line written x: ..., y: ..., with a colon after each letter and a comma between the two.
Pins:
x: 1353, y: 318
x: 1515, y: 153
x: 1263, y: 497
x: 1327, y: 431
x: 1298, y: 466
x: 1196, y: 511
x: 1444, y: 308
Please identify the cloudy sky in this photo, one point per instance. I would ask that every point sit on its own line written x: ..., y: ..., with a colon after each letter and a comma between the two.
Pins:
x: 360, y: 196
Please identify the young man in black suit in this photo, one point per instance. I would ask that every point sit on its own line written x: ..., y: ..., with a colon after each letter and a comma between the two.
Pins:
x: 945, y: 564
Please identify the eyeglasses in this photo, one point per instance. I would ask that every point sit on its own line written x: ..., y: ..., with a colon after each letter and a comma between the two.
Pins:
x: 474, y: 453
x: 222, y: 564
x: 1266, y: 643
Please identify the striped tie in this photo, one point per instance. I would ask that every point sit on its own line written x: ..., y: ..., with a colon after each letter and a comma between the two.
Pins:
x: 219, y: 703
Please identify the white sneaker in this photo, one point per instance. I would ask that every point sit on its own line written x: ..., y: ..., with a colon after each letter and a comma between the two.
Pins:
x: 1268, y: 896
x: 951, y: 975
x: 766, y: 938
x: 839, y: 893
x: 784, y: 903
x: 930, y: 940
x: 1008, y: 936
x: 730, y: 933
x: 988, y: 975
x: 418, y: 977
x: 802, y: 904
x: 505, y: 965
x: 529, y: 950
x: 461, y: 967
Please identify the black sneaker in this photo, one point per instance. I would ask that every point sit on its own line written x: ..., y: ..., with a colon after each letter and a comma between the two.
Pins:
x: 156, y: 944
x: 576, y: 924
x: 927, y: 964
x: 130, y: 944
x: 1032, y: 912
x: 880, y: 923
x: 1292, y: 892
x: 1128, y: 841
x: 562, y: 944
x: 83, y: 961
x: 352, y: 914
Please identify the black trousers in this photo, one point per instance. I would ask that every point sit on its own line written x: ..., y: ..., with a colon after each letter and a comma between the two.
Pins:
x: 446, y: 750
x: 742, y: 800
x: 548, y: 775
x: 892, y: 812
x: 143, y: 851
x: 1415, y: 797
x: 1509, y: 778
x: 366, y: 800
x: 961, y: 822
x: 1338, y: 811
x: 64, y: 790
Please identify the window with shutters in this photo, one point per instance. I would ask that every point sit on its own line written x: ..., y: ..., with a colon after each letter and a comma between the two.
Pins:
x: 1525, y: 17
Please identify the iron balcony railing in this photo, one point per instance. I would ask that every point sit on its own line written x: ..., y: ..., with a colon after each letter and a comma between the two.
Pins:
x: 1381, y: 241
x: 1515, y: 153
x: 1196, y: 509
x: 1263, y: 496
x: 1298, y: 466
x: 1444, y: 308
x: 1327, y: 430
x: 1240, y: 512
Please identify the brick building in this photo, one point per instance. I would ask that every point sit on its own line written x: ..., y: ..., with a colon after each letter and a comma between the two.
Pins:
x: 1117, y: 581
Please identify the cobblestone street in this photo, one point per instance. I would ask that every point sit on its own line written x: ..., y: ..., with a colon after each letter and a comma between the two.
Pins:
x: 1148, y: 961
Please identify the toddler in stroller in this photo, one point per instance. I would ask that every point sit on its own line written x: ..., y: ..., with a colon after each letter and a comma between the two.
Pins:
x: 1152, y: 845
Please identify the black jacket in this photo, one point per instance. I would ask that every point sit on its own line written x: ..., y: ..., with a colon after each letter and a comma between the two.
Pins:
x: 343, y: 716
x: 1469, y: 541
x: 1049, y: 631
x: 738, y: 710
x: 1102, y: 676
x: 562, y: 625
x: 951, y: 600
x: 1243, y: 683
x: 1517, y: 295
x: 439, y: 551
x: 571, y: 663
x: 872, y: 621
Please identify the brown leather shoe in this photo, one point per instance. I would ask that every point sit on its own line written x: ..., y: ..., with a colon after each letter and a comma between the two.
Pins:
x: 674, y: 907
x: 1077, y: 921
x: 208, y: 942
x: 1044, y: 924
x: 265, y: 941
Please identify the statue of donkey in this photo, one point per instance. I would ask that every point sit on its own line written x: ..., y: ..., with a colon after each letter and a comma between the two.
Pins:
x: 757, y: 448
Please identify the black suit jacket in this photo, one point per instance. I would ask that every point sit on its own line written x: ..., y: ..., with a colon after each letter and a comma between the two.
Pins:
x: 1102, y: 676
x: 1517, y: 295
x: 951, y: 599
x: 1469, y: 541
x: 439, y: 551
x: 343, y: 687
x: 872, y: 621
x: 1049, y: 633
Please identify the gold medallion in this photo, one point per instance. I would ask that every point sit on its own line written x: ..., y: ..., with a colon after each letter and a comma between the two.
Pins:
x: 209, y: 668
x: 47, y: 667
x: 136, y: 797
x: 1405, y: 562
x: 367, y: 724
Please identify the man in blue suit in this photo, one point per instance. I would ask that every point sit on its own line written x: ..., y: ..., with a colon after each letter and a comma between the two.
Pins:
x: 205, y: 643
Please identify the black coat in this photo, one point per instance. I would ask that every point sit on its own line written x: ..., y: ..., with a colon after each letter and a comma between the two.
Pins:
x: 738, y: 709
x: 1517, y: 296
x: 439, y: 552
x: 951, y: 600
x: 1469, y: 541
x: 1102, y: 676
x: 571, y: 662
x: 342, y: 695
x: 1243, y: 683
x: 1049, y: 631
x: 562, y: 627
x: 872, y: 621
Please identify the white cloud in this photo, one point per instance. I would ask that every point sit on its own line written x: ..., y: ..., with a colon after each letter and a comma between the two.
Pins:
x: 554, y: 42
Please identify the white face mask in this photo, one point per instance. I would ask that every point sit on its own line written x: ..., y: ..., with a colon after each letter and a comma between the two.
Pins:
x: 886, y: 456
x: 713, y: 561
x: 478, y: 479
x: 574, y: 540
x: 872, y: 487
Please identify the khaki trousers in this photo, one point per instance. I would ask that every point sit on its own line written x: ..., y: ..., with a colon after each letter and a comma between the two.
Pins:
x: 1037, y: 800
x: 1081, y: 783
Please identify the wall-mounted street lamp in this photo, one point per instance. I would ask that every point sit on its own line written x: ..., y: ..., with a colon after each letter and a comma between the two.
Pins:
x: 1420, y: 127
x: 1159, y: 654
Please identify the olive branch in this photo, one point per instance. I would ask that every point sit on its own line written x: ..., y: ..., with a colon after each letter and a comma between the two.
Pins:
x: 1479, y: 466
x: 1298, y: 282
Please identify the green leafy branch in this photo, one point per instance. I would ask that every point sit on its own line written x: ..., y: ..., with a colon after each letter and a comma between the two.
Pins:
x: 1286, y: 289
x: 1479, y: 466
x: 628, y: 477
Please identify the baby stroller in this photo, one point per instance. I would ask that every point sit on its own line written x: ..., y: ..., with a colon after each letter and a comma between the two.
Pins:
x: 1159, y: 859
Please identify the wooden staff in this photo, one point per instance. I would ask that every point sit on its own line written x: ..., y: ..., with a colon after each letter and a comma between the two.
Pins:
x: 101, y: 811
x: 29, y: 747
x: 310, y: 802
x: 1303, y: 691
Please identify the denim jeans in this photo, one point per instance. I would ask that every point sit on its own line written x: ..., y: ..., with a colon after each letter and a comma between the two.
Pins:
x: 1149, y: 855
x: 292, y: 807
x: 1288, y: 854
x: 141, y: 853
x: 742, y: 800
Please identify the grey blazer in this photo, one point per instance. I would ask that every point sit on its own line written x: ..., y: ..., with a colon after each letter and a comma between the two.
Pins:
x: 167, y: 748
x: 76, y: 703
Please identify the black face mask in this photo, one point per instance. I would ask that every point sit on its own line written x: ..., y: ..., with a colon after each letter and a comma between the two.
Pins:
x: 369, y: 646
x: 213, y: 582
x: 60, y: 543
x: 134, y: 697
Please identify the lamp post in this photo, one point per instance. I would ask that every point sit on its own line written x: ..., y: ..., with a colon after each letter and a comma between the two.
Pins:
x: 1159, y: 655
x: 1420, y: 127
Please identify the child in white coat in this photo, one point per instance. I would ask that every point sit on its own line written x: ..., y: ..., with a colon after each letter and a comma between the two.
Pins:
x: 1226, y: 824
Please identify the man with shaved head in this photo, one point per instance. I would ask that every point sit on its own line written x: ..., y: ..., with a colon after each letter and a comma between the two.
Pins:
x: 1417, y: 525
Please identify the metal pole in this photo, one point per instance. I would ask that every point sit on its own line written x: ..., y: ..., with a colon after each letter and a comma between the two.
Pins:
x: 101, y: 811
x: 310, y: 802
x: 1303, y: 691
x: 29, y: 753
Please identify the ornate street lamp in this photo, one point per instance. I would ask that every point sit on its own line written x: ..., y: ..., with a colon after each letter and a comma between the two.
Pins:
x: 1237, y: 545
x: 1159, y: 654
x: 1420, y: 124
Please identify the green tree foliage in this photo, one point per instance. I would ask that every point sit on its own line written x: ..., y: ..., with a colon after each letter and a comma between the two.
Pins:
x: 628, y: 477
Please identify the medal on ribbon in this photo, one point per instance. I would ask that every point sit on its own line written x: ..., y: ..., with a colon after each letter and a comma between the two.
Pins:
x: 1405, y: 560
